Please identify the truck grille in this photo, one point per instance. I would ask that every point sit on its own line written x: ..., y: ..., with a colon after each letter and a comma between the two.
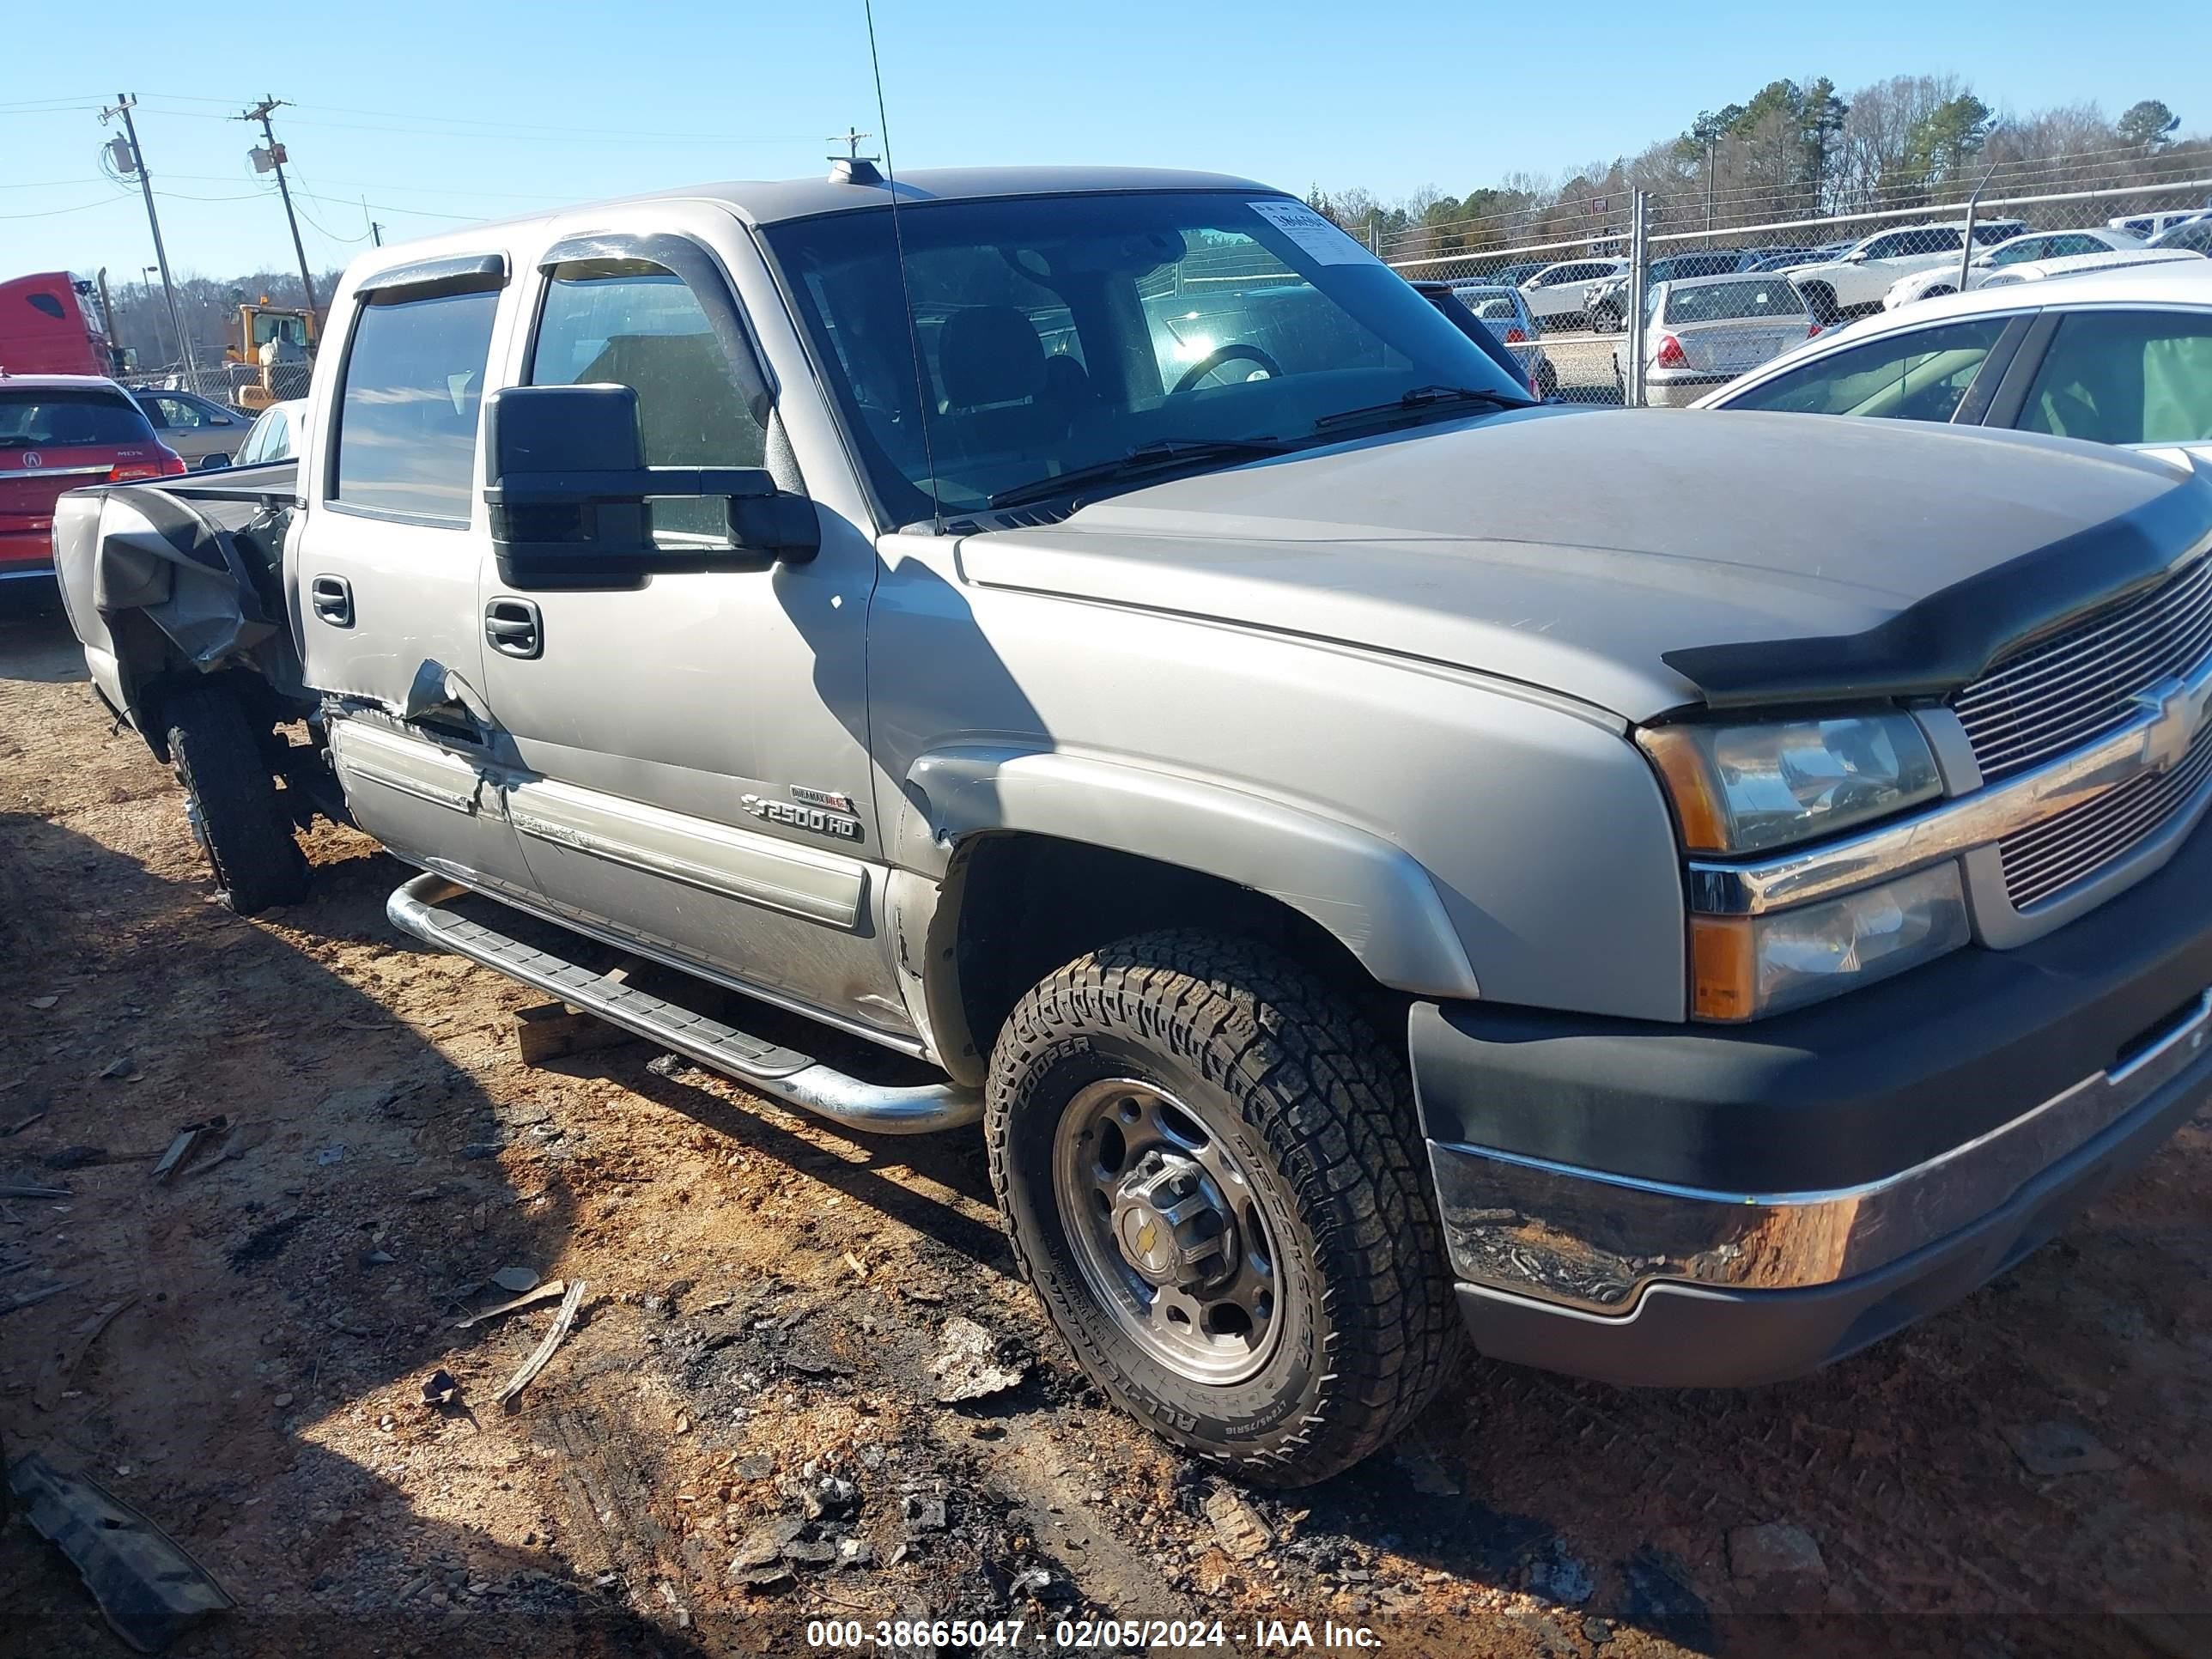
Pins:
x: 2056, y: 853
x: 2065, y: 691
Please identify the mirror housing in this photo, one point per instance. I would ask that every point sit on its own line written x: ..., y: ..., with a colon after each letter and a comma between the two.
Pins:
x: 570, y: 495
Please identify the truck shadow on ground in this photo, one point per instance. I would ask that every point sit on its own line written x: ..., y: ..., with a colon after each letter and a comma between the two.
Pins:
x: 270, y: 1293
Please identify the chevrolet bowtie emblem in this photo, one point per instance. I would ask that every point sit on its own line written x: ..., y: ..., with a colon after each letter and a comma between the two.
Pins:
x: 2180, y: 709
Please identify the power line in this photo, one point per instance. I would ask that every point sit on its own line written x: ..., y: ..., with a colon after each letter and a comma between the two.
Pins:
x: 55, y: 213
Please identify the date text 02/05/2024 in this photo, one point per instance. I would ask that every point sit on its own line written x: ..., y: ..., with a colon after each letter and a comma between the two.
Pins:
x: 1088, y: 1635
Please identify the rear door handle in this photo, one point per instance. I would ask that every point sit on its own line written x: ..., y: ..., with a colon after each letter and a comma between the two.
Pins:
x: 513, y: 627
x: 332, y: 598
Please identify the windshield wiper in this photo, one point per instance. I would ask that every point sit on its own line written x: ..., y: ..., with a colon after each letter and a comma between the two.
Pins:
x: 1419, y: 398
x: 1160, y: 455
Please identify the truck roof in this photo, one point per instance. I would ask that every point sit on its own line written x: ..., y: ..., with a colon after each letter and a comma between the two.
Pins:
x: 774, y: 201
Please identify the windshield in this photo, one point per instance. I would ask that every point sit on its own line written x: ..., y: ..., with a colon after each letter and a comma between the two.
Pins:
x: 1057, y: 333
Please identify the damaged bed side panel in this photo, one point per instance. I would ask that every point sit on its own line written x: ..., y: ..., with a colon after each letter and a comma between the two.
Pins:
x: 163, y: 581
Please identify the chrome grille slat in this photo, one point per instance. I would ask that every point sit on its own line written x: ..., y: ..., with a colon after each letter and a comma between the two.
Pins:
x: 2061, y: 653
x: 2060, y: 693
x: 2042, y: 862
x: 2143, y: 661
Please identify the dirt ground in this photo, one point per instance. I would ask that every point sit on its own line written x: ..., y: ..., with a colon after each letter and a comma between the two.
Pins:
x: 740, y: 1434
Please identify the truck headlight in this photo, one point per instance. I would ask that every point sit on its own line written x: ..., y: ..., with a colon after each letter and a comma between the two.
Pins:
x: 1743, y: 967
x: 1745, y: 788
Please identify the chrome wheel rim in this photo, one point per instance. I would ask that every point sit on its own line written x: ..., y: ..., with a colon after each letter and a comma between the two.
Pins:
x: 1168, y: 1231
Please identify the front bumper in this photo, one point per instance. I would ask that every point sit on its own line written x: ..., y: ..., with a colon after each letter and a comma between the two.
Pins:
x: 1706, y: 1206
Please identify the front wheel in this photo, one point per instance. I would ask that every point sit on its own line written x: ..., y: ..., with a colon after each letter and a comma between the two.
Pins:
x: 1210, y: 1171
x: 231, y: 798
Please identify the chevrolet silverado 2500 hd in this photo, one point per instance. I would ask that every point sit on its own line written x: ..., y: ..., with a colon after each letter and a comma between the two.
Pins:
x: 1679, y: 898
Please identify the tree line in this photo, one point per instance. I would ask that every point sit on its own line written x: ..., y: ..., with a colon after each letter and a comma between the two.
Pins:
x: 1795, y: 151
x: 207, y: 305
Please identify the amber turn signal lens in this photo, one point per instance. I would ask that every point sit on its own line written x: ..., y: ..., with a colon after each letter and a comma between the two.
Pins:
x: 1681, y: 764
x: 1723, y: 966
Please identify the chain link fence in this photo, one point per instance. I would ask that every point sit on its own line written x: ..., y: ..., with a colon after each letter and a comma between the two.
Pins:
x: 1642, y: 309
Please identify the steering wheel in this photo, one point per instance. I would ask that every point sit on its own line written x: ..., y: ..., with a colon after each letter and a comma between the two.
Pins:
x: 1219, y: 355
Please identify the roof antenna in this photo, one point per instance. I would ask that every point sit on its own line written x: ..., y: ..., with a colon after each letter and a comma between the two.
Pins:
x: 905, y: 289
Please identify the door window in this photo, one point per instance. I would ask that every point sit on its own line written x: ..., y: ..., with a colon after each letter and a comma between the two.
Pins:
x: 2126, y: 377
x: 2013, y: 253
x: 176, y: 412
x: 408, y: 406
x: 1919, y: 376
x: 631, y: 323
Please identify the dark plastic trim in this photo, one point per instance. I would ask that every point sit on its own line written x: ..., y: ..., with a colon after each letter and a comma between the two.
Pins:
x: 1952, y: 636
x: 459, y: 271
x: 1687, y: 1336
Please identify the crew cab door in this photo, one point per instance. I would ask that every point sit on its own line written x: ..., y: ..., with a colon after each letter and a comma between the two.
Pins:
x: 384, y: 568
x: 694, y: 771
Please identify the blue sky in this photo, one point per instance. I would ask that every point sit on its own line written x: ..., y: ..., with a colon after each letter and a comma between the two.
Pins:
x: 439, y: 114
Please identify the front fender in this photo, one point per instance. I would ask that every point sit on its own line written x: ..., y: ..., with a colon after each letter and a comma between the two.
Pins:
x: 1373, y: 897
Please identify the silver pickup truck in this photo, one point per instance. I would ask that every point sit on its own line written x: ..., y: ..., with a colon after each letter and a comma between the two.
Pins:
x: 1676, y: 897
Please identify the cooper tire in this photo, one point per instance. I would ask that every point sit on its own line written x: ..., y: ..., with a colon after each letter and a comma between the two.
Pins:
x: 1314, y: 1112
x: 236, y: 817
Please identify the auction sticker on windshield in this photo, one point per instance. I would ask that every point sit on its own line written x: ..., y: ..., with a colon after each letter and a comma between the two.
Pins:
x: 1312, y: 233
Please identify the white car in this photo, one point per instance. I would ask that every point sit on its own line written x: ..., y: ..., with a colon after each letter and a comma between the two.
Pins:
x: 2122, y: 357
x: 1703, y: 331
x: 2020, y: 250
x: 2087, y: 265
x: 276, y: 434
x: 2146, y: 225
x: 1857, y: 282
x: 1559, y: 295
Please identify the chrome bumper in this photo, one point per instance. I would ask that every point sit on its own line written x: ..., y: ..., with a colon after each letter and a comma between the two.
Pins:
x: 1584, y: 1239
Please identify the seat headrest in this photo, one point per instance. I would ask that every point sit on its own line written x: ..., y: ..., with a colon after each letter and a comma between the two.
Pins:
x: 989, y: 355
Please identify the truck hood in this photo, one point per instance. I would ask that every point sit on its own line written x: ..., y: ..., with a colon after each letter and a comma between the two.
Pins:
x: 1576, y: 551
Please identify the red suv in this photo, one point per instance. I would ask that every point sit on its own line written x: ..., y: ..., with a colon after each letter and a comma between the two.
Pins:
x: 60, y: 432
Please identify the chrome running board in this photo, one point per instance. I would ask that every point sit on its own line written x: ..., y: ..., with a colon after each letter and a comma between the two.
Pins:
x: 419, y: 907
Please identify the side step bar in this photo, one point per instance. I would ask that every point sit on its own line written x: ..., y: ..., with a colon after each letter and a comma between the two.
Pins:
x: 418, y: 907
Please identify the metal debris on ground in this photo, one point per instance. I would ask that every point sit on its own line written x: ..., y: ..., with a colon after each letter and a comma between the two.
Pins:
x: 549, y: 1291
x: 178, y: 1149
x: 515, y: 1280
x: 536, y: 1362
x: 123, y: 1068
x: 44, y: 1003
x: 61, y: 1367
x: 1238, y: 1524
x: 969, y: 1367
x: 440, y: 1388
x: 14, y: 1129
x: 15, y: 1191
x: 148, y: 1588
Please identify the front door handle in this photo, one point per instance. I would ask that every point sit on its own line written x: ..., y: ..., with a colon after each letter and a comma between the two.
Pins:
x: 513, y: 627
x: 332, y: 598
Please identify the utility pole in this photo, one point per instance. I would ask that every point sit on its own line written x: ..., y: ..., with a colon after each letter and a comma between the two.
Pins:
x: 375, y: 230
x: 1709, y: 184
x: 275, y: 152
x: 851, y: 139
x: 136, y: 160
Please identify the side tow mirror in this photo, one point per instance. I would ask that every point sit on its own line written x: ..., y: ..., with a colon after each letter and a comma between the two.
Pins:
x: 570, y: 495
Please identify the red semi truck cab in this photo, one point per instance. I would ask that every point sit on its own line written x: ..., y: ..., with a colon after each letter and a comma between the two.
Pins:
x: 51, y: 324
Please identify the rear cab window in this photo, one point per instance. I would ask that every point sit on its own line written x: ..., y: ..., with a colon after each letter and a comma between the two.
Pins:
x: 412, y: 392
x: 47, y: 418
x: 1734, y: 301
